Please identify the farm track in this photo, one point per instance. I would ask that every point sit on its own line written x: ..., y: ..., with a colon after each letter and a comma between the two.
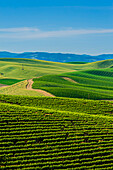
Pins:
x: 29, y: 87
x: 69, y: 79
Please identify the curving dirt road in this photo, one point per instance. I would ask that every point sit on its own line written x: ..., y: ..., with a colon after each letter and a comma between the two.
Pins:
x: 29, y: 87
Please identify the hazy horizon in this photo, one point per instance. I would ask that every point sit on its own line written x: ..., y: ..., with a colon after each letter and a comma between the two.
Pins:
x: 56, y: 52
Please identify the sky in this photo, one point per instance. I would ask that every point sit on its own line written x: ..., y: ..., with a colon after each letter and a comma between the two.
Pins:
x: 68, y: 26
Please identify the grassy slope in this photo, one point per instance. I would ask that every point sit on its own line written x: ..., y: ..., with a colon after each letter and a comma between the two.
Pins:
x: 12, y: 68
x: 32, y: 68
x: 93, y: 84
x: 19, y: 89
x: 90, y: 84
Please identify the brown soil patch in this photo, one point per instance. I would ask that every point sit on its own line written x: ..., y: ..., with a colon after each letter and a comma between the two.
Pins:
x: 29, y: 87
x: 69, y: 79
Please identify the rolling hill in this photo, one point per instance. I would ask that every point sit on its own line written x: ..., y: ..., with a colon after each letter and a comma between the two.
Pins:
x: 29, y: 68
x: 88, y: 80
x: 87, y: 83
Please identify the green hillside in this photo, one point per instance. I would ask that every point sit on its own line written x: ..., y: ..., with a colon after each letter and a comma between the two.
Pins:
x: 25, y: 68
x: 19, y: 89
x: 46, y: 138
x: 92, y: 80
x: 89, y: 84
x: 28, y: 68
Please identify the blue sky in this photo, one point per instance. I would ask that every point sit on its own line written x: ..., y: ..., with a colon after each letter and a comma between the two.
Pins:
x: 75, y: 26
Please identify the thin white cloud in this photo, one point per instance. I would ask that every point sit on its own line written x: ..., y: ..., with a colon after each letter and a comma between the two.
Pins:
x: 65, y: 33
x: 21, y: 29
x: 34, y: 33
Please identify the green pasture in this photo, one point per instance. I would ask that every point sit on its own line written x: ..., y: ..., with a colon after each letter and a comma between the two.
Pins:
x: 93, y: 80
x: 29, y: 68
x: 25, y: 69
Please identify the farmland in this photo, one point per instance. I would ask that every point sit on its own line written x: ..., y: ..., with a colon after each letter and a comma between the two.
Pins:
x: 46, y: 138
x: 93, y: 80
x: 19, y: 89
x: 26, y: 68
x: 89, y: 84
x: 29, y: 68
x: 73, y: 129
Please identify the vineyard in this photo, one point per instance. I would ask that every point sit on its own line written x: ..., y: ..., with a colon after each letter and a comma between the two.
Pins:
x: 50, y: 138
x: 72, y: 129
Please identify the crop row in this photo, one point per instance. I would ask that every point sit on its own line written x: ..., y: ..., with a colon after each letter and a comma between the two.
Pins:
x: 62, y: 104
x: 41, y: 138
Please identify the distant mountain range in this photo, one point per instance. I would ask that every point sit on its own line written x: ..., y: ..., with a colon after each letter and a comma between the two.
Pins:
x: 56, y: 57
